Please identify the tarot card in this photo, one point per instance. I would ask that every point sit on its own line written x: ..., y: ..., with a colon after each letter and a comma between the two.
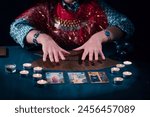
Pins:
x: 77, y: 77
x: 55, y: 77
x: 98, y: 77
x: 104, y: 77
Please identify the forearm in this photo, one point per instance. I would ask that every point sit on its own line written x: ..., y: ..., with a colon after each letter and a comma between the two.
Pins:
x: 30, y: 35
x: 115, y: 33
x: 42, y: 37
x: 27, y: 22
x: 19, y: 29
x: 118, y: 20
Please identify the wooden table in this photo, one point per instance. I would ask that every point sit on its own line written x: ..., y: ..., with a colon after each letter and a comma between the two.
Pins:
x: 73, y: 62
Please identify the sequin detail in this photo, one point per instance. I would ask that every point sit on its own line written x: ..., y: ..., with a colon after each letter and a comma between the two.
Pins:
x: 68, y: 25
x: 64, y: 31
x: 117, y: 19
x: 19, y: 29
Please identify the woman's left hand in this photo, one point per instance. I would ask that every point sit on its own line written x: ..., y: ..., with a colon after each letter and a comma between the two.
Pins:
x: 93, y: 47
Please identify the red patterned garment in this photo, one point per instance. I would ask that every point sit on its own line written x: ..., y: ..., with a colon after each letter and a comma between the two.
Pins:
x: 69, y: 29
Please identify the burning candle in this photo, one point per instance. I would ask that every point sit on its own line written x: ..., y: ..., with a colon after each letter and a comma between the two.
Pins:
x: 115, y: 70
x: 10, y: 68
x: 37, y: 76
x: 42, y: 82
x: 37, y: 69
x: 118, y: 80
x: 127, y: 74
x: 24, y: 73
x: 127, y: 63
x: 120, y: 65
x: 27, y: 65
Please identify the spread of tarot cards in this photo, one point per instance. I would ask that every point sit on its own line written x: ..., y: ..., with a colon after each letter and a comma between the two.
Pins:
x: 76, y: 77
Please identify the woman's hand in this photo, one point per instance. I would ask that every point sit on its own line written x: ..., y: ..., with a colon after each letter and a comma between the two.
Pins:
x: 93, y: 47
x: 51, y: 49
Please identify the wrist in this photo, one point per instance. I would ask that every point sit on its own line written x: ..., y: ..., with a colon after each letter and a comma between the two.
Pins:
x: 35, y: 37
x: 104, y: 36
x: 43, y: 38
x: 107, y: 35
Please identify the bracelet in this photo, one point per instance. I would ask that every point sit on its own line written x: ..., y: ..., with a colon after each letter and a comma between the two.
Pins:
x: 35, y: 36
x: 107, y: 34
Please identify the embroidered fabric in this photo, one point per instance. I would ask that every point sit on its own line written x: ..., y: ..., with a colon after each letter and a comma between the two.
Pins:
x: 117, y: 19
x: 72, y: 38
x: 19, y: 29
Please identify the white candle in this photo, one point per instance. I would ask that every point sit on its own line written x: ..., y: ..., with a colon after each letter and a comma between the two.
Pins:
x: 10, y: 68
x: 115, y: 70
x: 37, y: 76
x: 37, y: 69
x: 127, y: 74
x: 127, y: 63
x: 118, y: 80
x: 27, y: 65
x: 24, y: 73
x: 120, y: 65
x: 42, y: 82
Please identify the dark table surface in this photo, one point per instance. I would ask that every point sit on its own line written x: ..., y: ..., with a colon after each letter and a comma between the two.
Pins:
x: 12, y: 86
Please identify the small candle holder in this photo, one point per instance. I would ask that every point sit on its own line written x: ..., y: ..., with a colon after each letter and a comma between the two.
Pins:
x: 37, y: 76
x: 41, y: 83
x: 120, y: 66
x: 24, y: 73
x: 115, y: 70
x: 127, y: 63
x: 118, y: 80
x: 37, y: 69
x: 10, y: 68
x: 127, y: 74
x: 27, y: 66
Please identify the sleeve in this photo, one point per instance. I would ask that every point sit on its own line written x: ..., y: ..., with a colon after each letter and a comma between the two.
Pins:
x: 29, y: 20
x: 117, y: 19
x: 19, y: 29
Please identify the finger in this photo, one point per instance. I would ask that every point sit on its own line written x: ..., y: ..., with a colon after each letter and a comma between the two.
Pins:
x: 79, y: 48
x: 44, y: 55
x: 96, y: 55
x: 84, y: 55
x: 51, y: 56
x: 91, y: 55
x: 56, y: 56
x: 64, y: 51
x: 61, y: 56
x: 102, y: 54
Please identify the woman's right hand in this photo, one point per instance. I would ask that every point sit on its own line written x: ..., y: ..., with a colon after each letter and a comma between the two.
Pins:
x: 51, y: 49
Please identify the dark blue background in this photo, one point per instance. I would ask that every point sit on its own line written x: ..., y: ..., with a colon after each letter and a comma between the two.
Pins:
x: 137, y: 11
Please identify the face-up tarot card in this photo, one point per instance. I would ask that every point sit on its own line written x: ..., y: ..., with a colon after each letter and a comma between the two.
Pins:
x: 55, y: 77
x: 77, y: 77
x: 98, y: 77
